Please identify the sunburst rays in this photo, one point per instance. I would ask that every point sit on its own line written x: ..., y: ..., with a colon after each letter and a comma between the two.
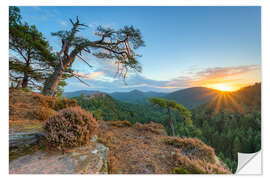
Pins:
x: 226, y: 100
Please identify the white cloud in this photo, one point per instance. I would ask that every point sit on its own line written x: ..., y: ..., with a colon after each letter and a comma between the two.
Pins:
x: 91, y: 25
x: 63, y: 23
x: 90, y: 76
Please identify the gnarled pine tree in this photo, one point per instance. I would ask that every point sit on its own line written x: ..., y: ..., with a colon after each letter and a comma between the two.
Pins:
x: 169, y: 105
x: 117, y: 45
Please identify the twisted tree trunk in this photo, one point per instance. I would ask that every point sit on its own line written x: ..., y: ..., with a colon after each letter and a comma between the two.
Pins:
x: 25, y: 81
x: 170, y: 121
x: 26, y: 74
x: 52, y: 82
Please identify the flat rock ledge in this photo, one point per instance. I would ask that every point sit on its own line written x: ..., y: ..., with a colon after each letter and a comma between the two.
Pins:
x: 90, y: 159
x: 24, y: 139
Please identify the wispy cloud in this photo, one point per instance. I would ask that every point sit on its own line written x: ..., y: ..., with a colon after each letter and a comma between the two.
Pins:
x: 92, y: 25
x: 90, y: 76
x: 226, y: 72
x: 63, y: 23
x: 235, y: 76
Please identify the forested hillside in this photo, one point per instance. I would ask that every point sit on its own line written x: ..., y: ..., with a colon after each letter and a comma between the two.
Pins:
x: 106, y: 108
x: 232, y: 123
x: 136, y: 96
x: 192, y: 97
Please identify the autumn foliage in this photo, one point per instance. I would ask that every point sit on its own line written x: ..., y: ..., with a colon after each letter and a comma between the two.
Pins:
x: 71, y: 127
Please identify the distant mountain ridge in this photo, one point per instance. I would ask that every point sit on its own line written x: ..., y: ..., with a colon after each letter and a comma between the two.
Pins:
x: 78, y: 93
x: 190, y: 97
x: 134, y: 96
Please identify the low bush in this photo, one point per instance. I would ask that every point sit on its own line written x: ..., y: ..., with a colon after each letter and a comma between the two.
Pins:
x: 62, y: 103
x: 120, y: 123
x: 69, y: 128
x: 195, y: 166
x: 152, y: 127
x: 43, y: 113
x: 192, y: 147
x: 42, y: 100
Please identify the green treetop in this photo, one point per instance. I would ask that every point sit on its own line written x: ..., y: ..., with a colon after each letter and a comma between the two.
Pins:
x: 169, y: 105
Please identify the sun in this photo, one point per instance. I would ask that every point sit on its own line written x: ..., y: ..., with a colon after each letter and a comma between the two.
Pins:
x: 222, y: 87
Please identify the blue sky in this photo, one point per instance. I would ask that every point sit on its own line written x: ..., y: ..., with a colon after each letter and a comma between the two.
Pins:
x: 185, y: 46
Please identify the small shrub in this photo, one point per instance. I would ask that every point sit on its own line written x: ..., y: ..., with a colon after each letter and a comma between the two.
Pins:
x: 197, y: 166
x: 152, y: 127
x: 43, y: 113
x: 71, y: 127
x: 120, y: 123
x: 42, y: 100
x: 192, y: 147
x: 62, y: 103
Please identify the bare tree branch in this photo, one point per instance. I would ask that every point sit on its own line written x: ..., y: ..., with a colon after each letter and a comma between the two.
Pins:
x: 84, y: 61
x: 82, y: 81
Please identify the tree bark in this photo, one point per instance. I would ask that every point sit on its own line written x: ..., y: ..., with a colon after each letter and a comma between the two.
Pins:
x: 170, y: 121
x: 25, y: 81
x: 19, y: 84
x: 52, y: 82
x: 26, y: 76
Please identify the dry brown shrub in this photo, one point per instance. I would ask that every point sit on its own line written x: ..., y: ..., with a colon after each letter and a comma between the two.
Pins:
x: 196, y: 166
x: 43, y: 113
x: 71, y: 127
x: 152, y: 127
x: 42, y: 100
x: 120, y: 123
x: 192, y: 147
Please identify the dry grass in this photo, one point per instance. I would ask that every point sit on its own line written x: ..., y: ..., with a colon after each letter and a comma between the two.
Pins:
x: 34, y: 106
x: 140, y: 149
x: 22, y: 125
x: 151, y: 127
x: 196, y: 166
x: 192, y: 147
x: 120, y: 123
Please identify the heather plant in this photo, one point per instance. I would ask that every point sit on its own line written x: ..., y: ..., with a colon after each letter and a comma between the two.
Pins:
x: 69, y: 128
x: 120, y: 123
x: 184, y: 165
x: 192, y: 147
x: 152, y: 127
